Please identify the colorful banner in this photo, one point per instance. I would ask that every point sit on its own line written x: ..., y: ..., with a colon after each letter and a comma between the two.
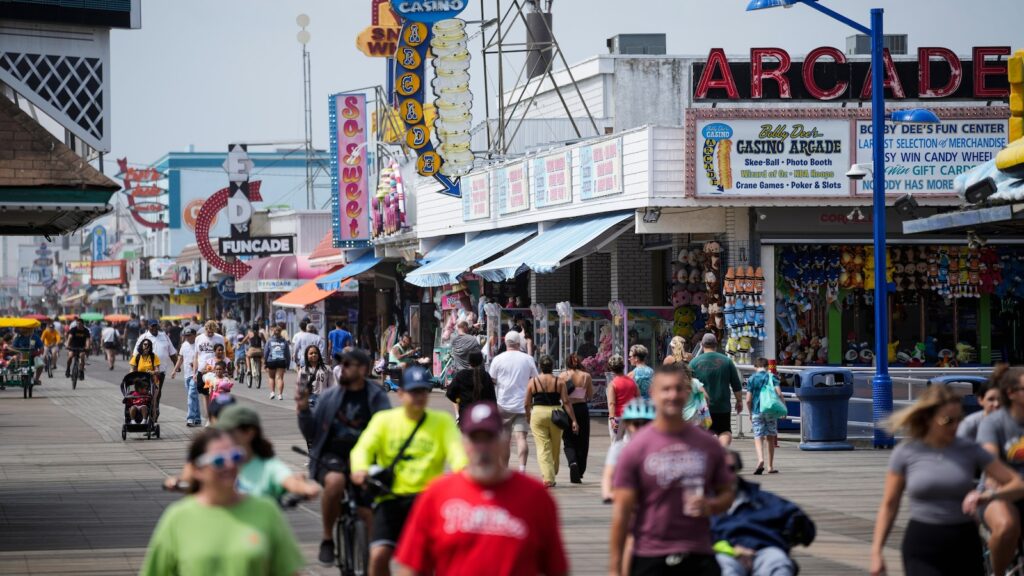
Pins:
x: 349, y: 170
x: 513, y: 188
x: 476, y: 199
x: 926, y: 158
x: 601, y: 169
x: 551, y: 179
x: 772, y: 158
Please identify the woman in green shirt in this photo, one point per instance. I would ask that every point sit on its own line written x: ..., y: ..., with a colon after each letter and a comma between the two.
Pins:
x: 217, y: 530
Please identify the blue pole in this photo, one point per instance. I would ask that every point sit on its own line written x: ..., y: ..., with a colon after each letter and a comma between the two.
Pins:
x: 881, y: 384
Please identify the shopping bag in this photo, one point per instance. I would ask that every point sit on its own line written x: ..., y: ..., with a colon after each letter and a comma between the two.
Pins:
x: 697, y: 411
x: 771, y: 405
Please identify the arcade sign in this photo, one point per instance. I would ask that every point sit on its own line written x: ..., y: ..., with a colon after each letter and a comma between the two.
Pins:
x: 259, y: 246
x: 826, y: 74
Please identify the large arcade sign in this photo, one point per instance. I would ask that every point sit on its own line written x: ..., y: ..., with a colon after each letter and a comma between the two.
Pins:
x: 826, y: 74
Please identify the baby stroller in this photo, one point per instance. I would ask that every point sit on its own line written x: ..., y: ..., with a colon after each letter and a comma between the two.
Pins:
x: 144, y: 381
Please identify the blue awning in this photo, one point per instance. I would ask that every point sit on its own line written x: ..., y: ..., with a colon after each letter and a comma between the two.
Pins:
x: 448, y: 269
x: 445, y: 247
x: 563, y: 242
x: 334, y: 280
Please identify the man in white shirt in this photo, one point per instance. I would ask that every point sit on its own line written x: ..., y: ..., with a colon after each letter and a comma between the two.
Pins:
x: 304, y: 340
x: 187, y: 361
x: 205, y: 343
x: 511, y: 371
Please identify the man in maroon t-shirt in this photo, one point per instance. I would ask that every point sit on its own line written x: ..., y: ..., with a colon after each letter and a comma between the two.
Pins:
x: 486, y: 519
x: 669, y: 480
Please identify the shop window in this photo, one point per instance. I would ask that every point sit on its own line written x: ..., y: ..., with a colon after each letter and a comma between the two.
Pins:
x: 661, y: 280
x: 952, y: 305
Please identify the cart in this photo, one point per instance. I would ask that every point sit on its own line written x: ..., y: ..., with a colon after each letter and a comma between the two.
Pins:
x: 20, y: 368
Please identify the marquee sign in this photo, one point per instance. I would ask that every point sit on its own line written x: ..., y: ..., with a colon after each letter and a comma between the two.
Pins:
x: 143, y: 195
x: 350, y: 182
x: 256, y: 246
x: 107, y: 272
x: 428, y: 11
x: 826, y: 74
x: 380, y: 39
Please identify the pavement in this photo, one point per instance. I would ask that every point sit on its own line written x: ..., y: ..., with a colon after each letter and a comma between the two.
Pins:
x: 76, y: 499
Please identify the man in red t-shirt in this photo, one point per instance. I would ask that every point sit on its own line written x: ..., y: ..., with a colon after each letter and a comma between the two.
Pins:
x: 485, y: 519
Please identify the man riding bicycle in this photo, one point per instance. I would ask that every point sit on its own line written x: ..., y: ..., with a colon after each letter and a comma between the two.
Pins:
x: 342, y: 413
x: 78, y: 343
x: 414, y: 443
x: 51, y: 343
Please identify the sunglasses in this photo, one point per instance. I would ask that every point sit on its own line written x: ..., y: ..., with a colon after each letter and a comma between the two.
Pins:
x: 949, y: 420
x: 221, y: 460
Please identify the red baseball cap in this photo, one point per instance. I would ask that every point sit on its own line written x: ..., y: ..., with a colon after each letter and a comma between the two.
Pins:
x: 481, y: 417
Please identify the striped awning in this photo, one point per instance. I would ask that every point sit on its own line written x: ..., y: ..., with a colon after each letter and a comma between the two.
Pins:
x: 443, y: 248
x: 562, y: 243
x: 481, y: 248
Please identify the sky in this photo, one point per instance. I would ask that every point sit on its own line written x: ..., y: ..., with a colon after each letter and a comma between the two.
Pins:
x: 210, y: 72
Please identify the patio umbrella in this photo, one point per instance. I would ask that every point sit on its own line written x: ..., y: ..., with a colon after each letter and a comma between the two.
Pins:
x: 91, y: 316
x: 39, y: 317
x: 68, y: 317
x: 117, y: 318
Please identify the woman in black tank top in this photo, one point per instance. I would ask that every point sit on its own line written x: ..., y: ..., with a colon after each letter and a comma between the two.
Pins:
x: 544, y: 395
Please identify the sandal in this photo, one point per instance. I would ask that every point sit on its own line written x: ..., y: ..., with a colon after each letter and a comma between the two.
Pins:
x: 773, y: 471
x: 759, y: 470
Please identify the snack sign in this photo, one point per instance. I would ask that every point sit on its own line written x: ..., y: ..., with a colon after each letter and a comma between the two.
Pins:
x: 772, y: 158
x: 349, y: 170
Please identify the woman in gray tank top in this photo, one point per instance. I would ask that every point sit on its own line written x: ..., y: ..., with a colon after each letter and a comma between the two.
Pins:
x: 937, y: 470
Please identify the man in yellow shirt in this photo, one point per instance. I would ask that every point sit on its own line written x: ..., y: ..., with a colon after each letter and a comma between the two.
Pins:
x: 416, y: 442
x: 51, y: 343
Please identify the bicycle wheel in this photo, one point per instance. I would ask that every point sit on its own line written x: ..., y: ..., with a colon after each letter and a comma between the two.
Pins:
x: 341, y: 555
x: 360, y: 548
x: 74, y: 373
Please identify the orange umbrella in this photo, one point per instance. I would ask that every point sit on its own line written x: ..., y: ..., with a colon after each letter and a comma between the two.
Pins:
x: 117, y: 318
x: 39, y: 317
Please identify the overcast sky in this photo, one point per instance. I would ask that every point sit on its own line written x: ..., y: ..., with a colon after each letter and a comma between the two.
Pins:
x: 209, y: 72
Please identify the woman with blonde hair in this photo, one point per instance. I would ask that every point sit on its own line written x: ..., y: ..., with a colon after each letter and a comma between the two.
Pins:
x: 677, y: 351
x: 936, y: 469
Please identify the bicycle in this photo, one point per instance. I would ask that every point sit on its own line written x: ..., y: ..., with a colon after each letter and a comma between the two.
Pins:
x: 241, y: 370
x: 48, y: 362
x: 351, y: 540
x: 77, y: 367
x: 254, y: 371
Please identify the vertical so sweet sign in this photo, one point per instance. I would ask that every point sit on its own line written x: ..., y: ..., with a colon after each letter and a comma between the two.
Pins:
x: 349, y: 170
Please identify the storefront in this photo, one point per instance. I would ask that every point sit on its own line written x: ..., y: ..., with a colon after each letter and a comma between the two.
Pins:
x: 953, y: 301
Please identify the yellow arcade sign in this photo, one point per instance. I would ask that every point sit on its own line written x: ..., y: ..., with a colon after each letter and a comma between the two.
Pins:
x: 428, y: 163
x: 408, y: 84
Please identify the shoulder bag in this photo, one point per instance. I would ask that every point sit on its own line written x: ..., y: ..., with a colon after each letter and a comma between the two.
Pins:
x: 559, y: 417
x: 387, y: 475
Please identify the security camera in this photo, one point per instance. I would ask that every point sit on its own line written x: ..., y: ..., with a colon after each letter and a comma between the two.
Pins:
x: 858, y: 172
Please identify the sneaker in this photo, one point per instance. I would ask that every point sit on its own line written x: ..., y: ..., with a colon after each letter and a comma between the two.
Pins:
x: 326, y: 556
x: 67, y: 373
x: 280, y: 396
x: 272, y: 395
x: 574, y: 474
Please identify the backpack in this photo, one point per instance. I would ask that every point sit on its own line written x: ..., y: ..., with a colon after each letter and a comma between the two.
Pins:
x: 277, y: 353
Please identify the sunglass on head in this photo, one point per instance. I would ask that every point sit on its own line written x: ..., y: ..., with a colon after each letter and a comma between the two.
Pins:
x: 949, y: 420
x: 221, y: 460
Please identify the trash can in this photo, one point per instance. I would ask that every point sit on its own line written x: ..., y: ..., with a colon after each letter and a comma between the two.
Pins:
x: 970, y: 402
x: 824, y: 395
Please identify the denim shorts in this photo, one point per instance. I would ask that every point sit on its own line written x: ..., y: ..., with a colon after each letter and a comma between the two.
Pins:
x: 765, y: 426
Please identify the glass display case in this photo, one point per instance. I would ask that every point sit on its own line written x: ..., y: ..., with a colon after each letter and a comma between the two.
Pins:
x: 653, y: 328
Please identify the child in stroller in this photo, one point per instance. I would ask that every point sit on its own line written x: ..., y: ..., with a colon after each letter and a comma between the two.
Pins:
x: 138, y: 401
x: 218, y: 382
x: 138, y: 390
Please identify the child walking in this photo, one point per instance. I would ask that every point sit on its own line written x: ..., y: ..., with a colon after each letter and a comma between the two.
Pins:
x: 766, y: 427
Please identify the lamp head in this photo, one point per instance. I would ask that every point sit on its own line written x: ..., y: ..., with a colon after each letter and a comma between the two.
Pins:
x: 914, y: 116
x: 763, y: 4
x: 859, y: 172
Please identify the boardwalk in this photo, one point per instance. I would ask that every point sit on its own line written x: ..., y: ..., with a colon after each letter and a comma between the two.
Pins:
x: 75, y: 499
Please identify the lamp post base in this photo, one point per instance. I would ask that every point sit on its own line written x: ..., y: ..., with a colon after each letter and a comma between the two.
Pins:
x: 881, y: 408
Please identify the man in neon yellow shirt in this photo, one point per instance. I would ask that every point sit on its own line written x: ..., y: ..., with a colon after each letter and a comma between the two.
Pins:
x: 433, y: 441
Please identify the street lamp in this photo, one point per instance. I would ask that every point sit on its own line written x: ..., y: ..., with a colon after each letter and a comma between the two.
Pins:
x: 881, y: 384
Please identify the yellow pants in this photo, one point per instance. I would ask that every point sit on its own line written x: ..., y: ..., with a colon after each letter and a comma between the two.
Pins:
x: 548, y: 439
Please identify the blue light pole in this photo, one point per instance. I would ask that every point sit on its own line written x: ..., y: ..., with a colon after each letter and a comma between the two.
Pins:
x: 881, y: 384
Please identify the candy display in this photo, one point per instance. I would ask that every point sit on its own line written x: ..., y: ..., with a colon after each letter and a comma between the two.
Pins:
x: 388, y: 203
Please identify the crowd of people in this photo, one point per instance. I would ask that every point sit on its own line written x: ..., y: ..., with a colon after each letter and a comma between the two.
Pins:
x: 440, y: 492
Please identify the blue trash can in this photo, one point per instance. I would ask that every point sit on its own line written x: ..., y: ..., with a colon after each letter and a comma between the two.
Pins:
x: 970, y: 402
x: 824, y: 395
